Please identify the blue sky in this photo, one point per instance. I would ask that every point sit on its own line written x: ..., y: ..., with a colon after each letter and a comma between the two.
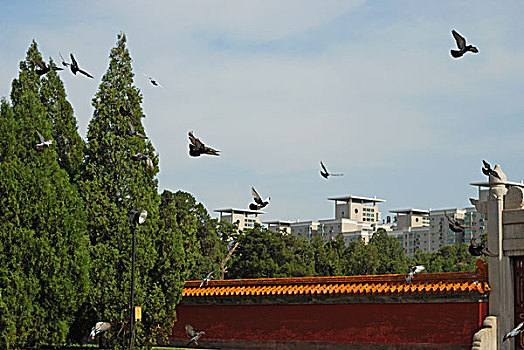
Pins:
x: 368, y: 87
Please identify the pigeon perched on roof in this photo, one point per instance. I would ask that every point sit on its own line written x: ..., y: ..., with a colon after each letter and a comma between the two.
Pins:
x: 259, y: 203
x: 143, y: 157
x: 208, y: 278
x: 514, y: 332
x: 74, y: 67
x: 325, y: 173
x: 43, y: 143
x: 412, y: 270
x: 153, y: 81
x: 99, y: 327
x: 462, y: 47
x: 457, y: 225
x: 193, y: 334
x: 478, y: 249
x: 486, y: 170
x: 132, y: 132
x: 44, y: 69
x: 197, y: 147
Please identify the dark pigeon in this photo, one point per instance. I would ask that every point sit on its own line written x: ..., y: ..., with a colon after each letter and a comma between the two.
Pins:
x: 126, y: 112
x: 132, y: 132
x: 74, y: 67
x: 325, y: 173
x: 259, y: 203
x: 478, y: 249
x: 142, y: 157
x: 153, y: 81
x: 457, y: 225
x: 197, y: 147
x: 462, y: 47
x: 44, y: 69
x: 193, y: 334
x: 486, y: 170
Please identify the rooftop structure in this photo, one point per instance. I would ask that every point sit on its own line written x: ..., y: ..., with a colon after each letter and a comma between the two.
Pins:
x: 279, y: 226
x: 244, y: 218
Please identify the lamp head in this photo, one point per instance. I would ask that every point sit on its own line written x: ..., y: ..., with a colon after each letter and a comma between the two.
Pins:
x: 137, y: 217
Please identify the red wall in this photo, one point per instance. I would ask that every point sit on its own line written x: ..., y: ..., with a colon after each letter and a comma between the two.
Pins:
x: 437, y: 323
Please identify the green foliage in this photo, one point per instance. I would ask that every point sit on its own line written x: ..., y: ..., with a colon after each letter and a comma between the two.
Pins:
x: 43, y: 237
x: 391, y: 256
x: 452, y: 258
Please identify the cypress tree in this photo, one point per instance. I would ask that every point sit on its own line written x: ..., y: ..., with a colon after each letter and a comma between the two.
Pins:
x: 43, y: 235
x: 113, y: 184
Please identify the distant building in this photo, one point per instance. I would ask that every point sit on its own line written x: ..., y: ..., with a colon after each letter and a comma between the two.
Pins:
x: 355, y: 218
x: 281, y: 226
x: 428, y: 230
x: 244, y: 218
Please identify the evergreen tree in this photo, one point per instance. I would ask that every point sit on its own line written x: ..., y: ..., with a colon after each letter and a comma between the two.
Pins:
x: 391, y: 256
x: 113, y: 184
x: 69, y: 144
x: 43, y: 236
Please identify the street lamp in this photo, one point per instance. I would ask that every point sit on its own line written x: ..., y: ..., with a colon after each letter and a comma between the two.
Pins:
x: 136, y: 217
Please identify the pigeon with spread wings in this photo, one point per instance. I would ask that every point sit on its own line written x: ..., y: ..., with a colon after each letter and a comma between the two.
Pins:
x: 99, y: 327
x: 325, y: 173
x: 197, y: 147
x: 43, y: 143
x: 457, y: 225
x: 193, y: 334
x: 143, y: 157
x: 44, y: 69
x: 208, y: 278
x: 259, y: 203
x: 486, y: 170
x: 462, y: 47
x: 126, y: 112
x: 412, y: 270
x: 133, y: 132
x: 74, y: 67
x: 514, y: 332
x: 479, y: 249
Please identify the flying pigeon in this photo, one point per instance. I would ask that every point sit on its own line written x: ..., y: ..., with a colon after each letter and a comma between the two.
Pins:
x: 205, y: 280
x: 514, y: 332
x: 196, y: 147
x: 64, y: 63
x: 44, y: 69
x: 193, y: 335
x: 259, y: 203
x: 456, y: 225
x: 325, y: 173
x: 478, y: 249
x: 153, y: 81
x: 43, y: 143
x: 486, y: 170
x: 412, y: 270
x: 132, y: 131
x: 74, y: 67
x: 126, y: 112
x: 461, y: 44
x: 142, y: 157
x: 99, y: 327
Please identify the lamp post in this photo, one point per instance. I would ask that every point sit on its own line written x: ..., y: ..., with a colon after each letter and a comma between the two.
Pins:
x: 135, y: 217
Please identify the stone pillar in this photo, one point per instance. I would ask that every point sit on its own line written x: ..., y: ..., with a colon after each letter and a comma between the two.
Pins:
x: 500, y: 272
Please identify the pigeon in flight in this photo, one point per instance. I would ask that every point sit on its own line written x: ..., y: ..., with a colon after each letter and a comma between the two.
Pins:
x: 456, y: 225
x: 143, y: 157
x: 259, y: 203
x: 514, y: 332
x: 44, y: 69
x: 208, y: 278
x: 99, y: 327
x: 153, y: 81
x: 462, y: 47
x: 64, y: 63
x: 412, y: 270
x: 325, y: 173
x: 478, y: 249
x: 43, y: 143
x: 133, y: 132
x: 126, y: 112
x: 193, y: 335
x: 486, y: 170
x: 197, y: 148
x: 74, y: 67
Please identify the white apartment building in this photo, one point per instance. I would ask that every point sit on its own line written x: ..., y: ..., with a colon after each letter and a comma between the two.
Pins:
x: 244, y: 218
x: 281, y: 226
x: 428, y: 230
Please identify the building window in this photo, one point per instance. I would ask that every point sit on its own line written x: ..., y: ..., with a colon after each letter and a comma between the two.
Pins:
x: 356, y: 211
